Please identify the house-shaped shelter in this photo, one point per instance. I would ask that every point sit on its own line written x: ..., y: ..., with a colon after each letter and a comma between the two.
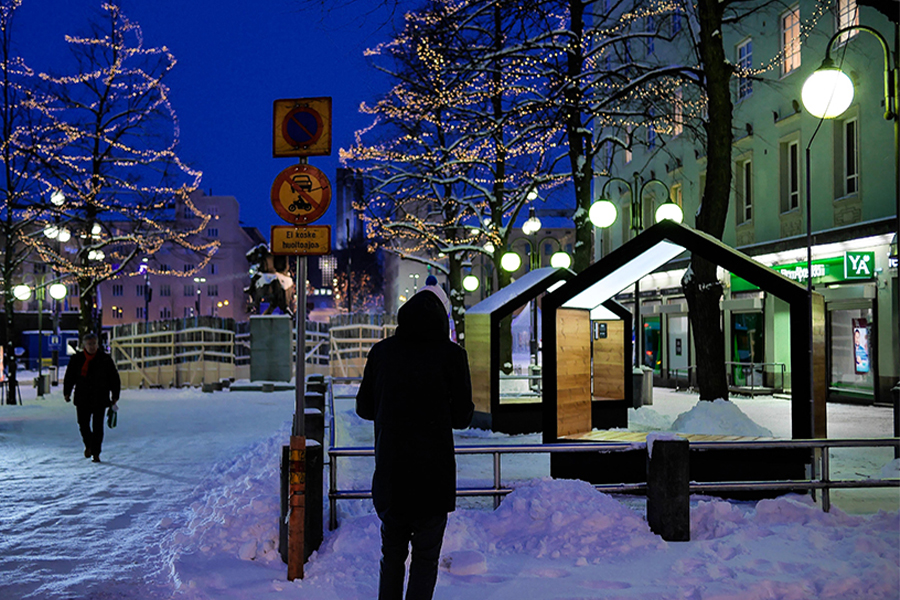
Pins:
x: 569, y: 310
x: 483, y: 340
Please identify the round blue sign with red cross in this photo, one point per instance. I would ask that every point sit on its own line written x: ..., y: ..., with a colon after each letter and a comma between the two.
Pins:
x: 302, y: 126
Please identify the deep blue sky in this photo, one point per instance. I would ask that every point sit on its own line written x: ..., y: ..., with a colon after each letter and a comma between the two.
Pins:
x: 235, y: 57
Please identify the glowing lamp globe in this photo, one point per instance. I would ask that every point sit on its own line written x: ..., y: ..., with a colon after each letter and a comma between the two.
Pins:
x: 602, y: 213
x: 57, y: 198
x: 21, y: 292
x: 470, y: 283
x: 64, y: 235
x: 827, y: 93
x: 669, y: 211
x: 510, y: 262
x: 560, y: 260
x: 57, y: 291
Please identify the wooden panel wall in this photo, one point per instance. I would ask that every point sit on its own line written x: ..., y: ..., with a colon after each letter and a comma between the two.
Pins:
x: 573, y: 371
x: 478, y: 347
x: 819, y: 374
x: 609, y: 363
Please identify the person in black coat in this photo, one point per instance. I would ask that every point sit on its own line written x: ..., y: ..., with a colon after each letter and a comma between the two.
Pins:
x: 95, y: 379
x: 416, y: 387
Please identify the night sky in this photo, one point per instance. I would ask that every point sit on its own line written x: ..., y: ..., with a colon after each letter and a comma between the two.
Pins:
x: 234, y: 59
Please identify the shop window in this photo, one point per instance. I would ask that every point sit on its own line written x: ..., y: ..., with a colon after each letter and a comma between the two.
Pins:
x: 651, y: 347
x: 851, y: 352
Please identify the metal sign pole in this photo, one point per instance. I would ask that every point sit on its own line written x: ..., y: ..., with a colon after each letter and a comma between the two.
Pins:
x: 300, y: 387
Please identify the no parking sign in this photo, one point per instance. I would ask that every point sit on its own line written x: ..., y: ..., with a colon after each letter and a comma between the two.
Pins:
x: 302, y: 127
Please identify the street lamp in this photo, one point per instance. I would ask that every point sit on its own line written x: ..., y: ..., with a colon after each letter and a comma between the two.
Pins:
x: 22, y: 292
x: 827, y: 93
x: 198, y: 281
x: 603, y: 214
x: 470, y: 283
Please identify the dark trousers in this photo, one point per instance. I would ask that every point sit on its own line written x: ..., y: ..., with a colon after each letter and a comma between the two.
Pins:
x: 426, y: 536
x: 90, y: 423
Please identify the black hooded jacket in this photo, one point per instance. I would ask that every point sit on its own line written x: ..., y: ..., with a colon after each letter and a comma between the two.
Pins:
x: 416, y: 387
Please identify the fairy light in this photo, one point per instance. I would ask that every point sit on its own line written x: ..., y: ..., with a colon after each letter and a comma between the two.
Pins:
x: 119, y: 213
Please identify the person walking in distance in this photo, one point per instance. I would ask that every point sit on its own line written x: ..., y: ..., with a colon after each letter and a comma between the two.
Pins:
x: 95, y: 379
x: 417, y: 389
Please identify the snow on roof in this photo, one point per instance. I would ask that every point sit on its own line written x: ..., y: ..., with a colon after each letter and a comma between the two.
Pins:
x: 542, y: 278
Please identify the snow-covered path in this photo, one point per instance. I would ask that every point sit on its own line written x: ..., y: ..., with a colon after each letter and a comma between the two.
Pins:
x: 186, y: 504
x: 70, y: 528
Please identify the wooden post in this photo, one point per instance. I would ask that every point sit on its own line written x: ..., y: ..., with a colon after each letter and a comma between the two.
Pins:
x: 668, y: 489
x: 297, y: 503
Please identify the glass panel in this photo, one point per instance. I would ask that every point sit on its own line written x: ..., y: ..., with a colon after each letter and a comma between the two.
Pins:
x: 851, y: 351
x: 652, y: 356
x: 747, y: 346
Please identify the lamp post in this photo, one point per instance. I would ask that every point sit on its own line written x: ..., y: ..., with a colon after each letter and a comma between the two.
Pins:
x: 826, y: 94
x: 22, y: 292
x: 603, y: 214
x: 198, y: 281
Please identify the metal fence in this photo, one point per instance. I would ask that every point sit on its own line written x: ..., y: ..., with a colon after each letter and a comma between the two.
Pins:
x: 820, y: 448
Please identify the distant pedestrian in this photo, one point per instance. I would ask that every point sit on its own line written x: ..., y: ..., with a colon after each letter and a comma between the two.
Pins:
x: 416, y: 387
x: 93, y: 375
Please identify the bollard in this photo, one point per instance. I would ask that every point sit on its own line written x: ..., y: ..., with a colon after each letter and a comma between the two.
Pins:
x: 668, y: 487
x: 314, y: 483
x: 315, y: 425
x: 315, y: 400
x: 285, y: 493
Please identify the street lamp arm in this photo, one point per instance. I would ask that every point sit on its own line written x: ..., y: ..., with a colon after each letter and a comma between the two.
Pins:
x: 890, y: 73
x: 609, y: 181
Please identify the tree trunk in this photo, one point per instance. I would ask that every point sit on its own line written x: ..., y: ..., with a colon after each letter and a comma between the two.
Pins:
x: 582, y: 171
x: 701, y: 286
x: 457, y: 296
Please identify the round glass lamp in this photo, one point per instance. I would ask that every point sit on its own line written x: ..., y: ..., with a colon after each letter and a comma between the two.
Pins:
x: 602, y: 213
x: 828, y: 92
x: 57, y: 291
x: 57, y: 198
x: 532, y: 225
x: 511, y: 262
x: 669, y: 211
x: 470, y: 283
x: 560, y: 260
x: 21, y: 292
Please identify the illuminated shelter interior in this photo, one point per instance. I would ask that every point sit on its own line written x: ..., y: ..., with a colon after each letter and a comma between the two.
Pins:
x: 483, y: 347
x: 569, y: 310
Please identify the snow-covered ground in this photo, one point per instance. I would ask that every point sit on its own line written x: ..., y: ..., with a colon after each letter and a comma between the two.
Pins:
x: 185, y: 504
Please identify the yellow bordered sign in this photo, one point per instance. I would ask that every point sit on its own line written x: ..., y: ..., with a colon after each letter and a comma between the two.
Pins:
x: 311, y: 240
x: 301, y: 194
x: 302, y: 127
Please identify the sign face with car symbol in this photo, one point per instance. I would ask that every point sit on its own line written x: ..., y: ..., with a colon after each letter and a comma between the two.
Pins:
x: 301, y: 194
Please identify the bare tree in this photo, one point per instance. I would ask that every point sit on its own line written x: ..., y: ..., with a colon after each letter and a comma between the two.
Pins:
x: 112, y: 152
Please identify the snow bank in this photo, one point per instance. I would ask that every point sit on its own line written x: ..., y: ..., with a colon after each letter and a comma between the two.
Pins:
x: 719, y: 417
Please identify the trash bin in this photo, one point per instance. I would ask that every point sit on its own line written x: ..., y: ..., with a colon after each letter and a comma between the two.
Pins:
x: 642, y: 387
x: 42, y: 383
x: 53, y: 372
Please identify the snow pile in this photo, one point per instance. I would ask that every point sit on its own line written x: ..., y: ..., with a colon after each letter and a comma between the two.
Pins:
x: 891, y: 470
x: 554, y: 518
x: 719, y: 417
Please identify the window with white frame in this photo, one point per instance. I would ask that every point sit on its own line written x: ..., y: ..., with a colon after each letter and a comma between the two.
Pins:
x: 677, y: 194
x: 790, y: 40
x: 745, y: 63
x: 744, y: 190
x: 851, y: 156
x: 847, y: 16
x: 790, y: 175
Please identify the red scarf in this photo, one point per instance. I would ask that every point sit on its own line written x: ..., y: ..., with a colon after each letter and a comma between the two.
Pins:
x: 87, y: 363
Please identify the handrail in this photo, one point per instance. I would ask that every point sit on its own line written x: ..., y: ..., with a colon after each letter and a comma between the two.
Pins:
x: 824, y: 482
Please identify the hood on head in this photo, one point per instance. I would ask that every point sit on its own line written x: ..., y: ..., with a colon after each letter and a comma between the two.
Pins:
x: 423, y: 318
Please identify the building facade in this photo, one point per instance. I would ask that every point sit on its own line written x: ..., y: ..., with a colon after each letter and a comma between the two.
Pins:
x: 851, y: 198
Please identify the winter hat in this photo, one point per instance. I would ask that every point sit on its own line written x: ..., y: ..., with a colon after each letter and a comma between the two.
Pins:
x: 431, y: 280
x: 439, y: 292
